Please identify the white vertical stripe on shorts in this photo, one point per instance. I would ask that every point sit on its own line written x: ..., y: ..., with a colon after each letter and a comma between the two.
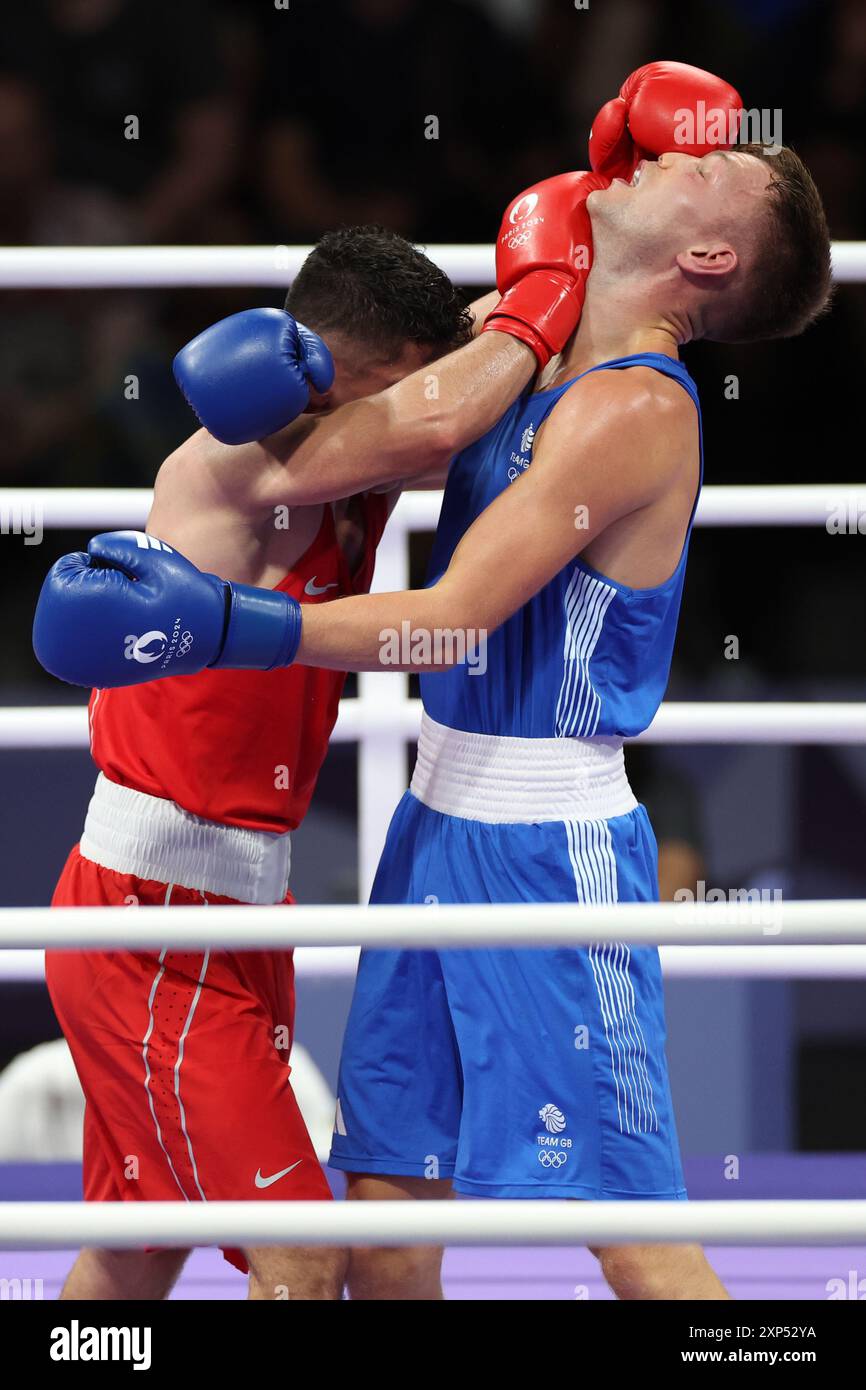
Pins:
x: 593, y: 862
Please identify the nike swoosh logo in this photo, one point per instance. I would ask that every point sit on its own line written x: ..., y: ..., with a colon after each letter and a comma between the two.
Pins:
x: 269, y: 1182
x: 312, y: 588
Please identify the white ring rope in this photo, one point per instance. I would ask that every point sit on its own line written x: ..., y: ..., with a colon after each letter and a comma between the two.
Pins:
x: 445, y: 927
x: 826, y: 722
x: 678, y: 963
x: 130, y: 267
x: 95, y: 509
x: 140, y: 267
x: 119, y: 1225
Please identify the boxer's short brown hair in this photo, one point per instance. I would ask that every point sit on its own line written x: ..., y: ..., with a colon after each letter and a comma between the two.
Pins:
x: 789, y: 282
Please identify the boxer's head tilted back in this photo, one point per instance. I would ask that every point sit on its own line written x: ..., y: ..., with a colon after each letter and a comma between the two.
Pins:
x: 382, y: 306
x: 733, y: 246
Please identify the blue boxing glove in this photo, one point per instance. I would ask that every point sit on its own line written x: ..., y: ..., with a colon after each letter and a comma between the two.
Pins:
x: 132, y: 610
x: 250, y: 374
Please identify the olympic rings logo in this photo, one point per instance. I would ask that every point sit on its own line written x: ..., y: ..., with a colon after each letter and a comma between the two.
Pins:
x: 184, y: 644
x: 519, y: 240
x: 549, y: 1159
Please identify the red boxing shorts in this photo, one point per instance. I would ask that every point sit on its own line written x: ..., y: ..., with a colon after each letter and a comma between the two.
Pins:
x: 183, y: 1059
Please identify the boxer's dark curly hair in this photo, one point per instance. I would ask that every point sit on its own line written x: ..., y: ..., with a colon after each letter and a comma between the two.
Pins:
x: 380, y: 290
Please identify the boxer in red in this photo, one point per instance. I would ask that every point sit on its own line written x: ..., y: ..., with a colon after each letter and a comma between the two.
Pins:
x: 183, y: 1057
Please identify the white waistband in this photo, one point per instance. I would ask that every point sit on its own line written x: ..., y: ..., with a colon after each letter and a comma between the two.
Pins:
x: 150, y: 837
x: 488, y: 777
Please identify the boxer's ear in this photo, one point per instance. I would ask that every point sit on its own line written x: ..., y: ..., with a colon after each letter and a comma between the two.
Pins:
x: 714, y: 258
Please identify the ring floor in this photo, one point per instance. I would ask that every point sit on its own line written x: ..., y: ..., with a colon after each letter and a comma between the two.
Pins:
x: 535, y: 1273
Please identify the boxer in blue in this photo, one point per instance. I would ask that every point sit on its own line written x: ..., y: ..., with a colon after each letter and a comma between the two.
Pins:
x: 563, y: 538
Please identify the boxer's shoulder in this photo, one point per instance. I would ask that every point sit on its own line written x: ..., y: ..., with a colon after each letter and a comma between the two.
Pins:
x: 630, y: 434
x: 638, y: 406
x: 633, y: 387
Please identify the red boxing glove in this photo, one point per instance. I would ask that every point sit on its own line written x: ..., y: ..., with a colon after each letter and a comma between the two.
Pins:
x: 663, y: 108
x: 543, y: 256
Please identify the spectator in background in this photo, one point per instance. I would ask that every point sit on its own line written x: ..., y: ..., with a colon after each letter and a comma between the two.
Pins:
x: 36, y: 207
x: 834, y: 138
x: 64, y: 355
x: 582, y: 57
x: 844, y: 82
x: 99, y: 63
x: 422, y: 118
x: 43, y: 336
x: 675, y: 810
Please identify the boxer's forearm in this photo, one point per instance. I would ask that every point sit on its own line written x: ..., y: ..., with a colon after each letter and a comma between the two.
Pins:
x: 404, y: 432
x: 519, y: 542
x: 371, y: 632
x: 408, y: 432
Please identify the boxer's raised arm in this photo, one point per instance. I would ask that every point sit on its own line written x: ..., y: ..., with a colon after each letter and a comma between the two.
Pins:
x: 410, y: 429
x: 414, y: 473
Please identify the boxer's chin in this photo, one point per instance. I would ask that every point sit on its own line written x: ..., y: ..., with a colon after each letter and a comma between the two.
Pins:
x: 606, y: 204
x: 615, y: 192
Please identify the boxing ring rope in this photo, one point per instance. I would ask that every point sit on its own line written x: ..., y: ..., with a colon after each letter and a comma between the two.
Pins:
x: 110, y: 509
x: 745, y: 920
x: 678, y: 963
x: 123, y: 1225
x: 65, y: 726
x: 163, y: 267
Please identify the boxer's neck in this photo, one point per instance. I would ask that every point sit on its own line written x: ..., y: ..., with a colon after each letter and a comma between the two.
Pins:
x: 622, y: 316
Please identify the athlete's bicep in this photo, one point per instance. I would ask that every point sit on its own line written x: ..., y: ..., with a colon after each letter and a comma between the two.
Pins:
x: 316, y: 458
x: 405, y: 431
x: 214, y: 475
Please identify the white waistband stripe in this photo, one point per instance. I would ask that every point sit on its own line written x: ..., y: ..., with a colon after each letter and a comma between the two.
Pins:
x: 488, y: 777
x: 152, y: 838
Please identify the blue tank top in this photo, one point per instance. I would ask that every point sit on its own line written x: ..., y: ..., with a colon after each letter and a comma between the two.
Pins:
x: 586, y: 656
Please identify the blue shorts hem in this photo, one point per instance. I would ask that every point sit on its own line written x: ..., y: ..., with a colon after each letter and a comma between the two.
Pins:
x: 388, y: 1167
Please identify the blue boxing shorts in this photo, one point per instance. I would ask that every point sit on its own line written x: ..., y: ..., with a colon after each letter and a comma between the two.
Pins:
x: 515, y: 1073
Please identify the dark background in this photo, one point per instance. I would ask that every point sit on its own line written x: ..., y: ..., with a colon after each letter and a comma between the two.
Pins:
x: 265, y: 125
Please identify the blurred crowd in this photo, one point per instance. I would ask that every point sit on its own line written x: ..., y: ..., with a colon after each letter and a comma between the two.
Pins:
x: 269, y: 121
x: 276, y: 119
